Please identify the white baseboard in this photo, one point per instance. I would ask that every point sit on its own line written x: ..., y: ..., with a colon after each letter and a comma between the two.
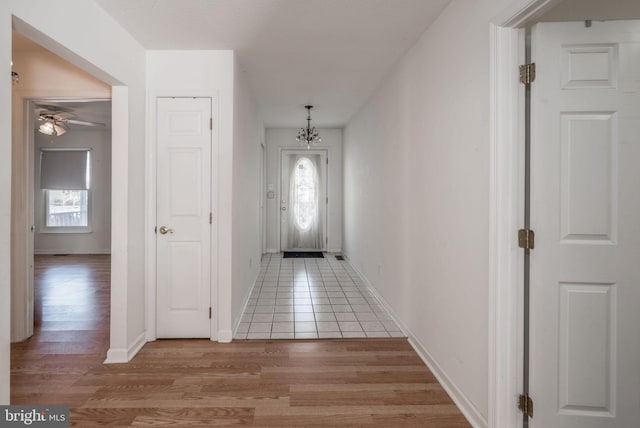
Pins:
x: 136, y: 346
x: 272, y: 251
x: 236, y: 324
x: 116, y: 355
x: 467, y: 408
x: 334, y: 250
x: 70, y: 252
x: 225, y: 336
x: 122, y: 355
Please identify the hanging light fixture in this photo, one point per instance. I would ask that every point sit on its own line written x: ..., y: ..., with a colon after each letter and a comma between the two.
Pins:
x: 51, y: 127
x: 15, y: 77
x: 308, y: 135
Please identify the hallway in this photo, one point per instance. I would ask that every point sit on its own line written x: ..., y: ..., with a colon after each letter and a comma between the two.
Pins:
x: 380, y: 382
x: 309, y: 298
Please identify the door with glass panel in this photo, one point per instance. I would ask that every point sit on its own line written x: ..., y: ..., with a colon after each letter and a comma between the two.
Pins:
x: 303, y: 200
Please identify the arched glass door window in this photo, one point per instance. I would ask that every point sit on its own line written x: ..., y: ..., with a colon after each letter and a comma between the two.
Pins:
x: 305, y: 194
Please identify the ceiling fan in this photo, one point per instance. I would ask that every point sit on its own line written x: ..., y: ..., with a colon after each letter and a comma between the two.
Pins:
x: 56, y: 122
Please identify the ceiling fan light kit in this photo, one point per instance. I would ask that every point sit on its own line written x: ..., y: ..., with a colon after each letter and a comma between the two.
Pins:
x: 56, y: 123
x: 51, y: 127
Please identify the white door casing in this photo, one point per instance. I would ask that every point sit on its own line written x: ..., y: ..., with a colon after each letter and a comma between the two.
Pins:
x: 286, y: 208
x: 183, y: 218
x: 585, y: 199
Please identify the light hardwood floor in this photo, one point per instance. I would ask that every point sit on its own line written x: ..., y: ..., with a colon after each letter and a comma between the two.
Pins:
x: 355, y: 382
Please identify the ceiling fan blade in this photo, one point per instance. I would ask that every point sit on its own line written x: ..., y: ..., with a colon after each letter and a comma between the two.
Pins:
x: 63, y: 115
x: 83, y: 122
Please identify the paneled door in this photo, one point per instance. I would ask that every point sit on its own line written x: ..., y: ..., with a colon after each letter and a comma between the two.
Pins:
x: 585, y: 199
x: 303, y: 200
x: 183, y: 218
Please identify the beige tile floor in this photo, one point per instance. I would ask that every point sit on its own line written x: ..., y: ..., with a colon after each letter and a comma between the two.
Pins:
x: 312, y: 298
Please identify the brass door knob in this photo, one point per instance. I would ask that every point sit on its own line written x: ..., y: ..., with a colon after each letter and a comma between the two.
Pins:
x: 164, y: 230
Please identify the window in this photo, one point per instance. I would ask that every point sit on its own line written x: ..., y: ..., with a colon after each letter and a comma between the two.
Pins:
x: 66, y: 208
x: 304, y: 194
x: 65, y: 182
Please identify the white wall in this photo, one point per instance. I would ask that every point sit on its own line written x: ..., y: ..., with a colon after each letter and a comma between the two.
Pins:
x: 42, y: 75
x: 98, y: 241
x: 285, y: 138
x: 248, y: 135
x: 75, y: 30
x: 416, y: 196
x: 579, y: 10
x: 201, y: 74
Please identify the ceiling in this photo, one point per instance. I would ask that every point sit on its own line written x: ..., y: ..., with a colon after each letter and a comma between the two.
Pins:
x: 329, y: 53
x: 98, y: 111
x: 596, y: 10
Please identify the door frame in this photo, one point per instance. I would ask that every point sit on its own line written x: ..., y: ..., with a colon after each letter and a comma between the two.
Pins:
x: 25, y: 327
x: 506, y: 210
x: 151, y: 214
x: 327, y: 184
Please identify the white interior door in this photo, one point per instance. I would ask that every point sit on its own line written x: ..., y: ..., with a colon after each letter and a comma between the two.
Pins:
x: 183, y: 218
x: 303, y: 200
x: 585, y: 199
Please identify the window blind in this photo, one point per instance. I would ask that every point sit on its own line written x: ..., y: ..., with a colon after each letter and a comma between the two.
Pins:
x: 64, y: 169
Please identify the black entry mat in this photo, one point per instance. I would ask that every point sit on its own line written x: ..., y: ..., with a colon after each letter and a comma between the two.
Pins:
x: 303, y: 255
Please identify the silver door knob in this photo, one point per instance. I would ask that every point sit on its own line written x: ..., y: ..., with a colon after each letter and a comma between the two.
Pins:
x: 164, y: 230
x: 283, y: 208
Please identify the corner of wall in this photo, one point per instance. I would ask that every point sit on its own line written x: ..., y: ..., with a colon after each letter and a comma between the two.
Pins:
x: 124, y: 355
x: 459, y: 398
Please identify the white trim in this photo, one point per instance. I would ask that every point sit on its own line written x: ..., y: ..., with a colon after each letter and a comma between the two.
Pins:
x: 237, y: 322
x: 379, y: 297
x: 506, y: 178
x: 150, y: 220
x: 506, y: 212
x: 119, y: 217
x: 467, y: 408
x: 272, y: 251
x: 122, y: 355
x: 474, y: 417
x: 224, y: 336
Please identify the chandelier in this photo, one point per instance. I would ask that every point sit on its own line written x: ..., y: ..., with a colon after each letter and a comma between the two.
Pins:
x: 308, y: 135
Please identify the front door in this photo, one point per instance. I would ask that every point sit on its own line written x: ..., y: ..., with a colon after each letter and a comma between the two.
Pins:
x: 183, y: 218
x: 585, y: 199
x: 303, y: 200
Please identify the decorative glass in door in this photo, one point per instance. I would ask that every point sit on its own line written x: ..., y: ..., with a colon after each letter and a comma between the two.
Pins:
x: 302, y: 204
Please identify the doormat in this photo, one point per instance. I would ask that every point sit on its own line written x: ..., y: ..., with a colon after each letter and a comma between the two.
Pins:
x: 303, y: 255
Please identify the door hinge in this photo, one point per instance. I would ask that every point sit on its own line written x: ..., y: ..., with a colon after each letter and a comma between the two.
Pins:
x: 528, y: 73
x: 327, y: 161
x: 326, y: 240
x: 210, y: 218
x: 327, y: 199
x: 526, y: 239
x: 210, y: 123
x: 155, y: 230
x: 209, y: 312
x: 525, y: 405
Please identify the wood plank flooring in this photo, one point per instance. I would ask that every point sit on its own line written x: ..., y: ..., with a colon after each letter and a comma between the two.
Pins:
x: 278, y: 383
